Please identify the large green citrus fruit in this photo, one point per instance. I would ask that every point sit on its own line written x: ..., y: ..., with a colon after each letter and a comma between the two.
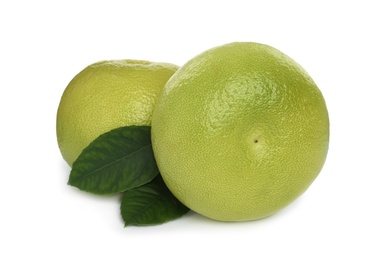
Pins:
x: 240, y: 131
x: 107, y: 95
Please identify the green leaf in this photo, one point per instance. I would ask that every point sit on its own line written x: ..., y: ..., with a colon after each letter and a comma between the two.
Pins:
x: 116, y: 161
x: 151, y: 204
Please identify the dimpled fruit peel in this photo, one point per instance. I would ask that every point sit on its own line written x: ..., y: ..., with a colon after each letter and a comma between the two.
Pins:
x: 107, y: 95
x: 240, y: 131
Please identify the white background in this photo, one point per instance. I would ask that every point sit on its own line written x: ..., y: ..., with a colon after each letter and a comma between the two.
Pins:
x: 344, y: 45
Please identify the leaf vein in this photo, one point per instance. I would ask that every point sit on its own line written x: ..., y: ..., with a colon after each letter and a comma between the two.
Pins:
x: 111, y: 163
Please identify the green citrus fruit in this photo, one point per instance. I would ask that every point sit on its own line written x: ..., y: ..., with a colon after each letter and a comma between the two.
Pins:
x: 240, y: 131
x: 107, y: 95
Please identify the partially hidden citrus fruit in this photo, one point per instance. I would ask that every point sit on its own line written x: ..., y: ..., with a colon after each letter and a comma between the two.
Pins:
x: 240, y: 131
x: 108, y: 95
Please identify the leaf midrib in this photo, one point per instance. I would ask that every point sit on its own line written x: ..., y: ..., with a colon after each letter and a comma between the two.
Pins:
x: 109, y: 164
x: 144, y: 209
